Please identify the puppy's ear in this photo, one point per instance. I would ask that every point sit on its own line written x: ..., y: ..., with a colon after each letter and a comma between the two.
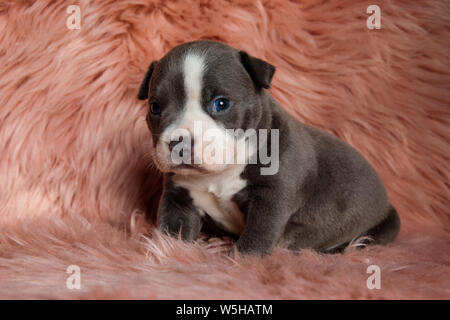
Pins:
x: 260, y: 71
x: 143, y: 90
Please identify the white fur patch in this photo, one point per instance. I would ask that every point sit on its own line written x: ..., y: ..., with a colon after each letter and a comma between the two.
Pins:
x: 193, y: 73
x: 213, y: 194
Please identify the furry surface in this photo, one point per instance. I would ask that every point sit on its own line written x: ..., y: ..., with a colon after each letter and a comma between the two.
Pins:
x: 76, y: 178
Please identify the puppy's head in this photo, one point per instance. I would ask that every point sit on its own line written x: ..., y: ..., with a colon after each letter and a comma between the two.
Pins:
x: 202, y: 96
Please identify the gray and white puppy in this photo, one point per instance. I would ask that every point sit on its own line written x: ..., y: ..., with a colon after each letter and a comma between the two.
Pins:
x: 323, y: 195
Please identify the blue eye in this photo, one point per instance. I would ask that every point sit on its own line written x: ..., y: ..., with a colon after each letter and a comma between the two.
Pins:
x: 220, y: 104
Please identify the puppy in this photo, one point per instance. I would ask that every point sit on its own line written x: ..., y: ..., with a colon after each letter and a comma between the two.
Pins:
x: 208, y: 101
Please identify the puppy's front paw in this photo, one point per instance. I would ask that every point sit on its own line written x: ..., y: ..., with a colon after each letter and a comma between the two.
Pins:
x: 172, y: 227
x: 175, y: 225
x: 251, y: 248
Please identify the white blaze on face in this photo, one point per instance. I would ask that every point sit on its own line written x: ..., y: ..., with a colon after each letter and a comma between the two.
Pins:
x: 211, y: 193
x: 211, y: 141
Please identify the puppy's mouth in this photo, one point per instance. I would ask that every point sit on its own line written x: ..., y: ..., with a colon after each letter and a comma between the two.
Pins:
x: 165, y: 165
x: 188, y: 167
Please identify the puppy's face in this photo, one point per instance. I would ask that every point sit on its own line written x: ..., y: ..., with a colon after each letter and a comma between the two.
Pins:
x: 198, y: 95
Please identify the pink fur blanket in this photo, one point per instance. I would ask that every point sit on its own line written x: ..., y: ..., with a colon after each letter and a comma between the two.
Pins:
x: 76, y: 177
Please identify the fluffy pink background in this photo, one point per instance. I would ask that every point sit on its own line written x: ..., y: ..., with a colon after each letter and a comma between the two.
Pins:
x: 76, y: 176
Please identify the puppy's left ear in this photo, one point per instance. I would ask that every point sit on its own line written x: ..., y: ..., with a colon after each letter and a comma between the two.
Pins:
x: 143, y: 90
x: 260, y: 71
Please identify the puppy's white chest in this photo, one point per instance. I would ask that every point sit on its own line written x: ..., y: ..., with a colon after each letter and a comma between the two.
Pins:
x: 213, y: 194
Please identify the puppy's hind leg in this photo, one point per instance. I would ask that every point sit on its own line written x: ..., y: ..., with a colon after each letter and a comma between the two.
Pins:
x: 386, y: 230
x: 383, y: 233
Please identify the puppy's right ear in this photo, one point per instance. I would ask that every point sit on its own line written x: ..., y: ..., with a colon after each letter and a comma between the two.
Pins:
x: 143, y: 90
x: 259, y: 70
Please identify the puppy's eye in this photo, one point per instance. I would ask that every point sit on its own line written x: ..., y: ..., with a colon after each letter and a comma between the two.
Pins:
x: 220, y: 104
x: 155, y: 109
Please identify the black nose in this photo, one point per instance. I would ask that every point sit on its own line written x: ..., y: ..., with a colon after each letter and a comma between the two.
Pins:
x: 172, y: 144
x: 182, y: 140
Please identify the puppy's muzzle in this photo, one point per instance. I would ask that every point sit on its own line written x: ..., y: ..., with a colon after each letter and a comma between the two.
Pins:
x: 183, y: 148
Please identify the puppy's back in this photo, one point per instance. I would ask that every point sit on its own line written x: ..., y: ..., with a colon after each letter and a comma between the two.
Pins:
x: 347, y: 199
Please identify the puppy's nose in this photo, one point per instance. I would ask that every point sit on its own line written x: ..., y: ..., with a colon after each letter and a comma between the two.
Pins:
x: 182, y: 140
x: 172, y: 144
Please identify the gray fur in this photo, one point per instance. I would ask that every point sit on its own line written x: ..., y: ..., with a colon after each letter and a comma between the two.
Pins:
x: 325, y: 193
